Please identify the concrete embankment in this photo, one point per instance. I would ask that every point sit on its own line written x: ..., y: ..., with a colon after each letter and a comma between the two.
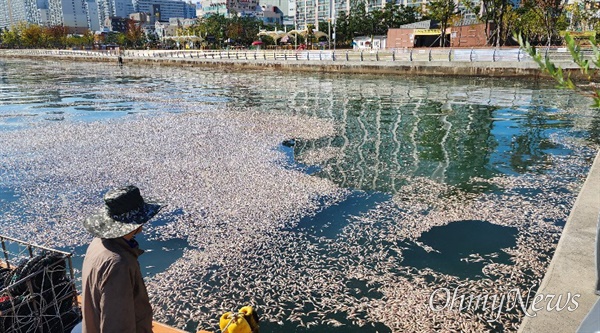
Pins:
x: 572, y: 270
x: 344, y: 62
x: 487, y: 69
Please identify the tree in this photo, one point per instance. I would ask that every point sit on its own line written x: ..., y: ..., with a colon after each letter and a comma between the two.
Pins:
x: 441, y: 11
x: 310, y: 33
x: 547, y: 13
x: 358, y: 21
x: 376, y: 22
x: 583, y: 15
x: 152, y: 40
x: 492, y: 13
x: 134, y: 36
x: 88, y: 38
x: 115, y: 38
x: 342, y: 29
x: 56, y: 36
x: 12, y: 36
x: 32, y: 36
x: 210, y: 28
x: 242, y: 30
x: 406, y: 15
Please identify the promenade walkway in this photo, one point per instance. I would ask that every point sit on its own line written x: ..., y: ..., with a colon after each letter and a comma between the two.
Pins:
x: 573, y: 267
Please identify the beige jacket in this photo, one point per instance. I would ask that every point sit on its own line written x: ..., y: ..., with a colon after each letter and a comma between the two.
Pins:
x: 115, y: 299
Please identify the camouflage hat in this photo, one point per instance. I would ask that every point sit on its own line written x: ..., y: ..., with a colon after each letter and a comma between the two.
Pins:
x: 124, y: 211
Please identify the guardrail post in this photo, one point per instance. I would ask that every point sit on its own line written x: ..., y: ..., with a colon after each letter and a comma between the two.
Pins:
x: 333, y: 56
x: 228, y: 54
x: 411, y: 55
x: 546, y: 55
x: 494, y: 55
x: 450, y: 55
x: 519, y: 55
x: 320, y: 57
x: 393, y: 55
x: 471, y: 55
x: 296, y: 55
x: 377, y: 55
x: 429, y: 54
x: 246, y: 55
x: 285, y: 56
x: 361, y: 55
x: 255, y: 55
x: 347, y: 58
x: 265, y: 55
x: 307, y: 55
x: 237, y: 55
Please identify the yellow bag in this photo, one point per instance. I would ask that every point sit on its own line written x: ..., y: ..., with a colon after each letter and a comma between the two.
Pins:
x: 251, y: 317
x: 234, y: 323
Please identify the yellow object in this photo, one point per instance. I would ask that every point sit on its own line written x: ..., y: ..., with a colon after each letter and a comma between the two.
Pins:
x: 251, y: 317
x: 234, y: 323
x: 427, y: 32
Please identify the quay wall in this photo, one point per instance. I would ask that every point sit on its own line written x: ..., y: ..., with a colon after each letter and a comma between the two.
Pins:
x: 572, y: 270
x: 438, y: 62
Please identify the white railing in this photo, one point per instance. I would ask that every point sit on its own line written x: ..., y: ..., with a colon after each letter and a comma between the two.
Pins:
x: 395, y: 55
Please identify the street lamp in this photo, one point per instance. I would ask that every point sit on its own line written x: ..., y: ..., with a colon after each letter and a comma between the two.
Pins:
x: 329, y: 32
x: 332, y: 18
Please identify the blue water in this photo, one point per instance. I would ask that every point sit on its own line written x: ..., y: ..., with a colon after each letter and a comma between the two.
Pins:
x: 388, y: 131
x: 456, y: 241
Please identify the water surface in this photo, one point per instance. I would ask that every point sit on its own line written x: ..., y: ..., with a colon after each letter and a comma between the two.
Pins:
x: 392, y: 132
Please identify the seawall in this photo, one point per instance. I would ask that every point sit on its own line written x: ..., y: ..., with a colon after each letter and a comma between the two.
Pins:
x: 572, y: 270
x: 478, y: 63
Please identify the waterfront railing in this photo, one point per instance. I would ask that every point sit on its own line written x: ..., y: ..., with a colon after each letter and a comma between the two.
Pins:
x: 560, y: 55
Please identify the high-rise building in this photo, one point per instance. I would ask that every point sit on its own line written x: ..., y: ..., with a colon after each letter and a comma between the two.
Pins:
x: 246, y: 8
x: 15, y: 11
x: 44, y: 12
x: 211, y: 7
x: 92, y: 15
x: 166, y: 8
x: 68, y: 13
x: 315, y: 11
x: 114, y: 8
x: 288, y: 7
x: 190, y: 10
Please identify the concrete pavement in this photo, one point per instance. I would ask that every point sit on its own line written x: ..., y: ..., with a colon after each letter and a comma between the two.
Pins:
x: 572, y: 270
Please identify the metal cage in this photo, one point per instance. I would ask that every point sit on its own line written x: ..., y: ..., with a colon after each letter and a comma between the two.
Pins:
x: 37, y: 289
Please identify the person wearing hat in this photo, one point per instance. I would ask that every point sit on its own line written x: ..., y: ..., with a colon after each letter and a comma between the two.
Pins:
x: 114, y: 294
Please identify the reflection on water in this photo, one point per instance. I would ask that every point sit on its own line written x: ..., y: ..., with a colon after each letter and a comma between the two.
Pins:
x: 461, y: 248
x: 398, y: 127
x: 330, y: 221
x: 376, y: 150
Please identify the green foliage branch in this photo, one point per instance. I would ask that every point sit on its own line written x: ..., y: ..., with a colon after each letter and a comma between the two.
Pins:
x: 558, y: 74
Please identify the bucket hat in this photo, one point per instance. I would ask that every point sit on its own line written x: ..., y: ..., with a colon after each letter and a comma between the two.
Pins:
x: 124, y: 211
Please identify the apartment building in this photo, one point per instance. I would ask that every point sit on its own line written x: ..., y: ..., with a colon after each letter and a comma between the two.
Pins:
x: 15, y: 11
x: 163, y: 10
x: 68, y: 13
